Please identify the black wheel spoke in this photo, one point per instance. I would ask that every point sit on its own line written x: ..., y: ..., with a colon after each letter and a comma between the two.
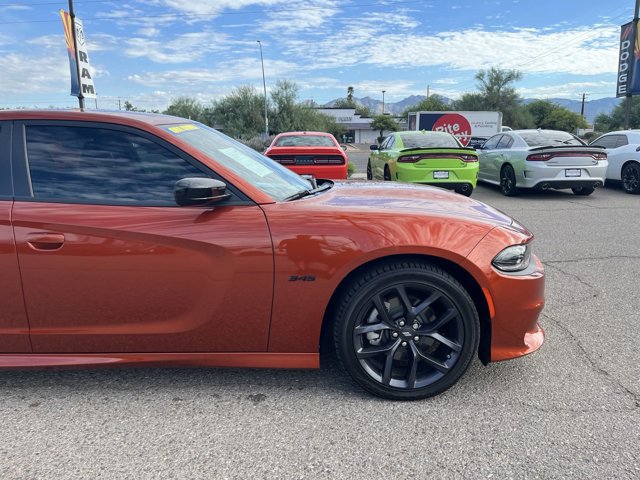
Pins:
x: 445, y: 341
x: 378, y: 350
x: 406, y: 303
x: 426, y: 303
x: 437, y: 364
x: 371, y: 327
x: 413, y: 367
x: 388, y: 364
x: 436, y: 325
x: 383, y: 313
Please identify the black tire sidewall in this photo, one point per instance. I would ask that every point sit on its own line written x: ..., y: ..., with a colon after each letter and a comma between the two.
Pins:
x: 628, y: 167
x: 353, y: 303
x: 512, y: 191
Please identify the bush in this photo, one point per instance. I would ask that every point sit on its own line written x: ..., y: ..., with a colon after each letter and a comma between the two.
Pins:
x: 257, y: 143
x: 351, y: 169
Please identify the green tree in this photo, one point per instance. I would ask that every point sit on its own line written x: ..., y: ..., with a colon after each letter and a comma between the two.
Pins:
x: 433, y: 103
x: 496, y: 93
x: 186, y: 107
x: 550, y: 115
x: 382, y: 123
x: 350, y: 91
x: 615, y: 120
x: 240, y: 114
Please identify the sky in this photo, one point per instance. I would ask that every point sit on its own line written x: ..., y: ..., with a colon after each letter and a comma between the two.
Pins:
x: 152, y: 51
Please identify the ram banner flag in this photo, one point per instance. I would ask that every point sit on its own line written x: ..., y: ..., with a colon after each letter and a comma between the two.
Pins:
x: 78, y: 58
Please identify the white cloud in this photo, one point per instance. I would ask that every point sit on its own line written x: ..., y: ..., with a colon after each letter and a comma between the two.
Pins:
x: 20, y: 77
x: 185, y: 48
x: 568, y: 90
x: 301, y: 16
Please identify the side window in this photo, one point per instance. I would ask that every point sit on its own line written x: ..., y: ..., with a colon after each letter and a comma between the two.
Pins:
x: 392, y: 142
x: 492, y: 142
x: 5, y: 167
x: 607, y: 141
x: 621, y: 141
x: 385, y: 143
x: 505, y: 142
x: 101, y: 165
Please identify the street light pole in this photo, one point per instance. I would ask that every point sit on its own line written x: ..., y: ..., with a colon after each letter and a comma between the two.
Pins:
x: 383, y: 101
x: 264, y: 86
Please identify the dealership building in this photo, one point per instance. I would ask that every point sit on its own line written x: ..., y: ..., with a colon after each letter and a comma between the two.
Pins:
x: 357, y: 128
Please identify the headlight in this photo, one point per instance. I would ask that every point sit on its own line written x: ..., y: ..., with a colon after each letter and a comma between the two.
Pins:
x: 513, y: 259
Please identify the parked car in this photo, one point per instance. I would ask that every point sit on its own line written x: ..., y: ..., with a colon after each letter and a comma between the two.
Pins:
x: 314, y: 154
x: 623, y: 152
x: 426, y: 157
x: 541, y: 159
x: 132, y: 238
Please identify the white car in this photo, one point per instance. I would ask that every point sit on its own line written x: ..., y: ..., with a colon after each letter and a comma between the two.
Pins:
x: 623, y: 151
x: 541, y: 159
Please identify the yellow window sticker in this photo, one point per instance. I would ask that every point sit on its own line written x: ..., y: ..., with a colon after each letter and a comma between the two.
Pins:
x: 183, y: 128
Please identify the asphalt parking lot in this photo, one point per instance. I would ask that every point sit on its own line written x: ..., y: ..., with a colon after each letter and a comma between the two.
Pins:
x: 570, y: 410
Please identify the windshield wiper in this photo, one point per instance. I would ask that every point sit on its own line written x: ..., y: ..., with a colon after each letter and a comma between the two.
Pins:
x: 311, y: 191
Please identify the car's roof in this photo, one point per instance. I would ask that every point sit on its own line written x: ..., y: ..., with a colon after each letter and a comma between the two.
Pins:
x: 423, y: 132
x: 115, y: 116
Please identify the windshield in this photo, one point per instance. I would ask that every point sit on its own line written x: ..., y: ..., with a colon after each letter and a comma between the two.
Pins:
x: 273, y: 179
x: 542, y: 138
x: 429, y: 140
x: 304, y: 141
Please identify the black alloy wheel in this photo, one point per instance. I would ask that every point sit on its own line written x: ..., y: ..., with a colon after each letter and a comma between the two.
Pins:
x: 406, y: 330
x: 631, y: 178
x: 584, y: 191
x: 369, y: 173
x: 508, y: 181
x: 387, y: 173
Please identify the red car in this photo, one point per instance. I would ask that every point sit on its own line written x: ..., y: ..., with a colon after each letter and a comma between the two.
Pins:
x: 316, y: 154
x: 129, y: 238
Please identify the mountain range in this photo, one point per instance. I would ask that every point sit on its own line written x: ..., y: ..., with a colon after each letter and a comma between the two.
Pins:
x: 592, y: 108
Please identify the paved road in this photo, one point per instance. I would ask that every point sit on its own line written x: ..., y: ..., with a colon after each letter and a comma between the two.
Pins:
x: 570, y: 410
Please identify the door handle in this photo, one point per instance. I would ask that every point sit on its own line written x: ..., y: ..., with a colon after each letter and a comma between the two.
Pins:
x: 45, y: 241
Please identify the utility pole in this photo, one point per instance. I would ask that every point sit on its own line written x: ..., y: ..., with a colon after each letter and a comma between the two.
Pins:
x: 75, y: 48
x: 582, y: 106
x: 119, y: 105
x: 428, y: 87
x: 627, y: 106
x: 264, y: 86
x: 383, y: 101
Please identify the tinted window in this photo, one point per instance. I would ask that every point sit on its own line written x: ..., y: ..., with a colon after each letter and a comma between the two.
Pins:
x: 543, y: 138
x: 102, y: 165
x: 492, y: 142
x: 611, y: 141
x: 305, y: 141
x: 385, y: 142
x: 429, y: 140
x: 505, y: 142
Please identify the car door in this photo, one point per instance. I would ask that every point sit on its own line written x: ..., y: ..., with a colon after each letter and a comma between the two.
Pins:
x: 489, y: 159
x: 618, y: 151
x: 378, y: 159
x: 14, y: 327
x: 110, y: 263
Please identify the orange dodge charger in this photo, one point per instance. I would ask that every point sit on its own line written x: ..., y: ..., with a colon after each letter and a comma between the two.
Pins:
x: 130, y: 238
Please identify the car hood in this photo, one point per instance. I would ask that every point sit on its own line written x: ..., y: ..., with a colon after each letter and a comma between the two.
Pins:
x: 397, y: 198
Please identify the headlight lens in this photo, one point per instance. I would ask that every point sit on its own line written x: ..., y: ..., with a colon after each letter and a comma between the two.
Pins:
x: 513, y: 259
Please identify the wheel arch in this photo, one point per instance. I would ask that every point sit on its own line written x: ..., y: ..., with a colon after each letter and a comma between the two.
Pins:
x: 627, y: 162
x: 456, y: 271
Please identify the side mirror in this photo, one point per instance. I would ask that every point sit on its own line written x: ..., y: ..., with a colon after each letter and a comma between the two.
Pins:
x: 343, y: 147
x: 637, y: 149
x: 199, y: 191
x: 374, y: 147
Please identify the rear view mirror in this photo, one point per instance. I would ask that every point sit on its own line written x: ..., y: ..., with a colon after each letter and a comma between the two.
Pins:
x: 199, y: 191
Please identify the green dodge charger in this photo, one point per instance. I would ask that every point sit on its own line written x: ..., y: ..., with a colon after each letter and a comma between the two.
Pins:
x: 433, y: 158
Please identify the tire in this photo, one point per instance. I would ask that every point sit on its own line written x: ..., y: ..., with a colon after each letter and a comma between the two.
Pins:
x: 630, y: 176
x: 387, y: 173
x: 369, y: 173
x: 466, y: 193
x: 508, y: 181
x: 584, y: 191
x: 381, y: 352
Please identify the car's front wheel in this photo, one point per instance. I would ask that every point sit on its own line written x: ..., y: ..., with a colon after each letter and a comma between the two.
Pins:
x: 583, y: 191
x: 406, y: 330
x: 369, y: 172
x: 508, y: 181
x: 631, y: 178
